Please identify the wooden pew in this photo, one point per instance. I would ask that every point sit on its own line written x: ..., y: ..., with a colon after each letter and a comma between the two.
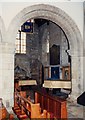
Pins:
x: 24, y: 108
x: 56, y: 107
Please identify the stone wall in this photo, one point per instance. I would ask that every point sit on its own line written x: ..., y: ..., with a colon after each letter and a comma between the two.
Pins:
x: 26, y: 61
x: 36, y: 48
x: 54, y: 35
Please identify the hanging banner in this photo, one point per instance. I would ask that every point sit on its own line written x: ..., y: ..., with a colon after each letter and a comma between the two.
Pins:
x: 27, y: 27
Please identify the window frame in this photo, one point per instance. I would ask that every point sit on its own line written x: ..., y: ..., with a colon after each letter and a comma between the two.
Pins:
x: 19, y: 45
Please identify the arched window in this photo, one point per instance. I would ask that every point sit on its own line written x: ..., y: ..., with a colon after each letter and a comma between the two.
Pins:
x: 21, y: 42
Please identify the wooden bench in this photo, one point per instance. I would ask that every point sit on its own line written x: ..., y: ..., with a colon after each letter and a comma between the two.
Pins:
x: 55, y: 106
x: 24, y: 108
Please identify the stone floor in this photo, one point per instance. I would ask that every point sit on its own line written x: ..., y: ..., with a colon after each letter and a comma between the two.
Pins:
x: 75, y: 110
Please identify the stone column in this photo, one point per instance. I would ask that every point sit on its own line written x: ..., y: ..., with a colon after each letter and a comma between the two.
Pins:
x: 77, y: 76
x: 7, y: 75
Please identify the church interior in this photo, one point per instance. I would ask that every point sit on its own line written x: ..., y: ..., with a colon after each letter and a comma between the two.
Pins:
x: 42, y: 67
x: 42, y: 72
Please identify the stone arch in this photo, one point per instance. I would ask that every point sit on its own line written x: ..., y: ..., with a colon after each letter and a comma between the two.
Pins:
x: 52, y: 13
x: 57, y: 16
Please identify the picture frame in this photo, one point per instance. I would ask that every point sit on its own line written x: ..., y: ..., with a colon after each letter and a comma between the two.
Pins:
x: 66, y: 73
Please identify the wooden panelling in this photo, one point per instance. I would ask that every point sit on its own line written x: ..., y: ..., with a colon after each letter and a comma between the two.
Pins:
x: 55, y: 106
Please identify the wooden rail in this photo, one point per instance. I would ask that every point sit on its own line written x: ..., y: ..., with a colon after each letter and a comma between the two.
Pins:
x: 55, y: 106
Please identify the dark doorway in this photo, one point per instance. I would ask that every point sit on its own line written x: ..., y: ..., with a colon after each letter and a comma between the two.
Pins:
x: 55, y: 55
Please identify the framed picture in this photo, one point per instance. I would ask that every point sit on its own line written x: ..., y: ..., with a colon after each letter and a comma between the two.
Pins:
x: 66, y: 73
x: 55, y: 73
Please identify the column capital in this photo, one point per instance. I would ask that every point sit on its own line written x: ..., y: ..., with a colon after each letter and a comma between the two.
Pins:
x: 75, y: 53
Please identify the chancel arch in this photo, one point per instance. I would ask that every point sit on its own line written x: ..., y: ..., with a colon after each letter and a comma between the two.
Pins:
x: 59, y: 17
